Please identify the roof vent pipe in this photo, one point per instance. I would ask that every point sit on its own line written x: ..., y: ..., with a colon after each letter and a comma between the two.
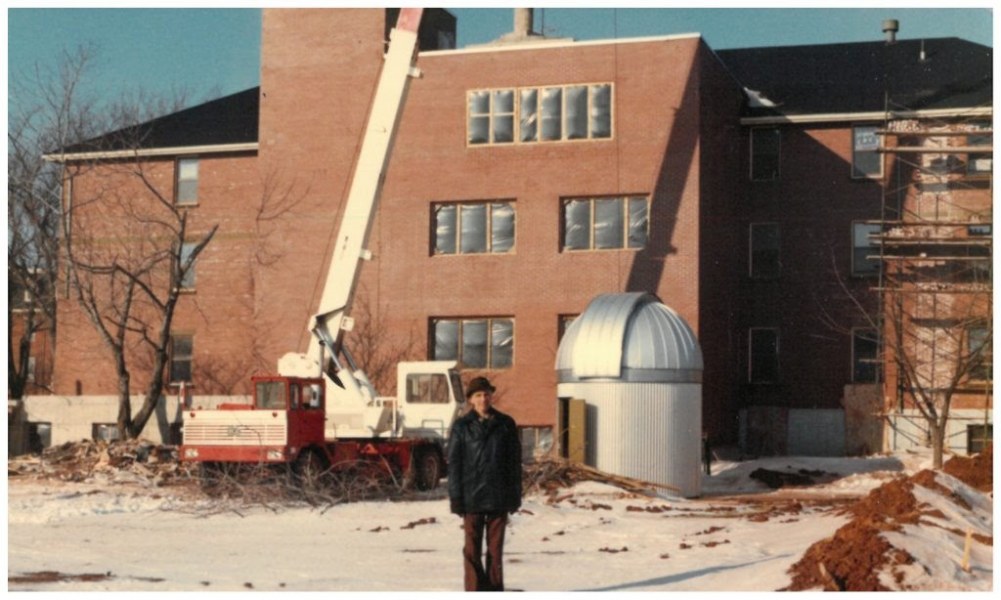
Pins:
x: 523, y: 22
x: 890, y: 29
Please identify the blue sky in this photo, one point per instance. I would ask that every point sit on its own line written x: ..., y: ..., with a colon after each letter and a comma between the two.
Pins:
x: 213, y: 52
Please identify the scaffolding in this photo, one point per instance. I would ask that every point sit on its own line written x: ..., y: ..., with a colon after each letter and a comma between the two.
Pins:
x: 934, y: 240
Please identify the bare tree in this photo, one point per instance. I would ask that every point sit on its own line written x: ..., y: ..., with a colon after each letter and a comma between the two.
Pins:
x: 47, y: 111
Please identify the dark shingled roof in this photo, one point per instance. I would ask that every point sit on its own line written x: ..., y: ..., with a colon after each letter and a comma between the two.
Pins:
x: 850, y: 78
x: 228, y: 120
x: 800, y: 80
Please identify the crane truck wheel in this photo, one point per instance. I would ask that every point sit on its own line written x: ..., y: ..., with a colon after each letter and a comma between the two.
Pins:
x: 425, y: 469
x: 309, y: 468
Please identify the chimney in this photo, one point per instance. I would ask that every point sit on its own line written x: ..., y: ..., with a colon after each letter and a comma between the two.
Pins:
x: 890, y: 29
x: 523, y: 22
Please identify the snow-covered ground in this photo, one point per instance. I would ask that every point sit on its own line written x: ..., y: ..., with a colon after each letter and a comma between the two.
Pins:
x: 102, y: 535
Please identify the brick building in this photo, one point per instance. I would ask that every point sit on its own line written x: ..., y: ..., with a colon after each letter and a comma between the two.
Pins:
x: 528, y: 177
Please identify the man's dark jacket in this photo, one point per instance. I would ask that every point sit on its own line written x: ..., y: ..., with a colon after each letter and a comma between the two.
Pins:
x: 484, y: 464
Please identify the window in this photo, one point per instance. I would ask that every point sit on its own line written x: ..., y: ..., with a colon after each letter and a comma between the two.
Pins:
x: 765, y: 257
x: 270, y: 394
x: 765, y: 154
x: 431, y: 388
x: 544, y: 114
x: 867, y: 162
x: 536, y: 442
x: 181, y: 351
x: 865, y: 356
x: 187, y: 181
x: 606, y: 223
x: 862, y: 248
x: 473, y: 228
x: 978, y: 162
x: 486, y: 343
x: 104, y: 432
x: 187, y: 276
x: 763, y: 364
x: 978, y: 437
x: 978, y: 348
x: 564, y: 325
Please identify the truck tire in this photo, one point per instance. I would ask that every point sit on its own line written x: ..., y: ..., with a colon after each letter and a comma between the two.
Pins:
x: 310, y: 468
x: 425, y: 469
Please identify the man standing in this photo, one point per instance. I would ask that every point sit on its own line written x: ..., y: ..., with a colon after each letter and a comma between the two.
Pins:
x: 484, y: 483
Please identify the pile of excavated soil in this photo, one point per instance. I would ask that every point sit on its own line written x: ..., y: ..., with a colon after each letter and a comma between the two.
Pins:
x: 852, y: 559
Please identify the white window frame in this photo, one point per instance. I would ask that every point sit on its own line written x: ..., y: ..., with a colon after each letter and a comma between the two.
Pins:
x: 180, y: 177
x: 871, y: 147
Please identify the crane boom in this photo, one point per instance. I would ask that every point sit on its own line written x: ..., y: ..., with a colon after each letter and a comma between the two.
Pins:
x: 331, y: 320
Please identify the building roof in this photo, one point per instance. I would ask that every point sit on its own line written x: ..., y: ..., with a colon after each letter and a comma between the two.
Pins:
x: 942, y: 73
x: 629, y: 337
x: 228, y: 120
x: 780, y: 81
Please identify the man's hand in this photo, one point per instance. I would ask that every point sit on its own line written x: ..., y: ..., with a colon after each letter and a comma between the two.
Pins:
x: 457, y: 509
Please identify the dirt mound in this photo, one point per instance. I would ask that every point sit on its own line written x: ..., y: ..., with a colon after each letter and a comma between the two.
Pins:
x: 975, y: 471
x: 852, y: 559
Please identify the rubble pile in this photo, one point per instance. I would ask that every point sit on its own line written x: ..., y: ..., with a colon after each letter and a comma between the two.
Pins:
x: 551, y: 475
x: 853, y: 558
x: 83, y: 460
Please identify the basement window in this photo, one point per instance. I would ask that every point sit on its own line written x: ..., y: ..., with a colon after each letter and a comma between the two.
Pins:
x: 473, y: 228
x: 606, y: 223
x: 186, y: 181
x: 867, y: 162
x: 484, y: 343
x: 104, y: 432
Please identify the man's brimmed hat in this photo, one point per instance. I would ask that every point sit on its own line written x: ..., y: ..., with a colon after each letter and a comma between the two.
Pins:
x: 479, y: 384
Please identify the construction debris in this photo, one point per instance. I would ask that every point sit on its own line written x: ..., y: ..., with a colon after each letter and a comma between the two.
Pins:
x: 83, y: 460
x: 550, y: 475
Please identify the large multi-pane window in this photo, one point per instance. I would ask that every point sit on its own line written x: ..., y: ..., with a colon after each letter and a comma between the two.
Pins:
x: 863, y: 248
x: 539, y: 114
x: 765, y: 259
x: 187, y: 181
x: 763, y: 360
x: 606, y: 223
x: 765, y: 143
x: 867, y: 162
x: 865, y: 356
x: 479, y: 343
x: 181, y: 354
x: 473, y: 227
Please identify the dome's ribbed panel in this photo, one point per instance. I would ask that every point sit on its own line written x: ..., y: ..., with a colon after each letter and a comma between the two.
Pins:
x: 627, y: 331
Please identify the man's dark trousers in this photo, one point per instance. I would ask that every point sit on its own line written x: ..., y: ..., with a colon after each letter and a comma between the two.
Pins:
x: 480, y: 577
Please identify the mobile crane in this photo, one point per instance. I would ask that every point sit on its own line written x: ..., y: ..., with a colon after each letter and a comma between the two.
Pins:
x: 321, y: 412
